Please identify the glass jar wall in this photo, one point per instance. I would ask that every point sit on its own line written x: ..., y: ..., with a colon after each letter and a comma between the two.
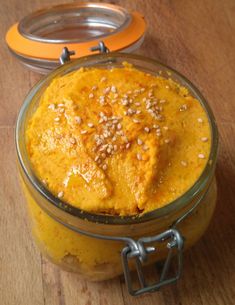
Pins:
x: 54, y: 223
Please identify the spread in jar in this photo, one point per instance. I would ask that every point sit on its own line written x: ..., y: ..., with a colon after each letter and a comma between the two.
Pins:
x: 118, y: 141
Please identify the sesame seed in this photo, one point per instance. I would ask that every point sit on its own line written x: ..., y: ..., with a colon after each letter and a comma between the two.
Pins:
x: 106, y: 90
x: 125, y: 102
x: 60, y: 194
x: 200, y: 120
x: 167, y: 87
x: 60, y: 105
x: 183, y: 107
x: 103, y: 79
x: 115, y: 147
x: 137, y: 104
x: 167, y: 141
x: 146, y: 129
x: 201, y: 156
x: 139, y: 157
x: 204, y: 139
x: 91, y: 95
x: 119, y: 126
x: 142, y: 90
x: 145, y: 147
x: 139, y: 141
x: 72, y: 140
x: 104, y: 167
x: 128, y: 145
x: 184, y: 163
x: 57, y: 119
x: 44, y: 181
x: 102, y: 99
x: 165, y: 127
x: 106, y: 134
x: 103, y: 155
x: 120, y: 132
x: 130, y: 111
x: 99, y: 142
x: 90, y: 125
x: 96, y: 158
x: 113, y: 89
x: 162, y: 101
x: 83, y: 131
x: 138, y: 111
x: 51, y: 106
x: 136, y: 121
x: 78, y: 119
x: 159, y: 117
x: 61, y: 110
x: 94, y: 88
x: 114, y: 139
x: 109, y: 148
x: 156, y: 126
x: 103, y: 147
x: 115, y: 95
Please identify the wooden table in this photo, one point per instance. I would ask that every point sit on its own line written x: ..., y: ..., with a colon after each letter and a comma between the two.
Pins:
x: 194, y: 37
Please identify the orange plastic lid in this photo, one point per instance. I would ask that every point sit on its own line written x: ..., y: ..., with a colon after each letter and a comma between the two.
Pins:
x: 42, y: 35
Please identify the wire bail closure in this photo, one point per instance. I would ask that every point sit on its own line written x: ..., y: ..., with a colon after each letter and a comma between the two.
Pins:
x: 138, y: 251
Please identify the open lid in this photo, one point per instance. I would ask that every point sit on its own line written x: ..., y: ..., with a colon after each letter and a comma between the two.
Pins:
x: 39, y: 38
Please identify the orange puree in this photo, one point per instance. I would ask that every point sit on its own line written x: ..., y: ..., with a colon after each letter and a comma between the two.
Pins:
x: 118, y: 141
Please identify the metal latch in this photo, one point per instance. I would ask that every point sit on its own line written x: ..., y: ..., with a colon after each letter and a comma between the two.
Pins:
x: 136, y: 250
x: 65, y: 55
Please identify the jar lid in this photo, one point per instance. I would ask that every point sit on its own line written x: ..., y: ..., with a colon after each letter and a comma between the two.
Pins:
x: 39, y: 38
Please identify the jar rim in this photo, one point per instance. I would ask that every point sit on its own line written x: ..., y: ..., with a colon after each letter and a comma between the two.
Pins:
x: 172, y: 206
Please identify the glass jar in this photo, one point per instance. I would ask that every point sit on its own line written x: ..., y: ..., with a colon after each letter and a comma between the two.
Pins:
x: 102, y: 246
x: 38, y: 39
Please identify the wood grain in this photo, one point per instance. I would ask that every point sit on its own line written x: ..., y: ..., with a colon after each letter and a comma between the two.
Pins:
x: 194, y: 37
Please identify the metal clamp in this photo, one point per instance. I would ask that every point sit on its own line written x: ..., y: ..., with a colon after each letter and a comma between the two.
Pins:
x: 101, y: 47
x: 65, y: 55
x: 138, y: 251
